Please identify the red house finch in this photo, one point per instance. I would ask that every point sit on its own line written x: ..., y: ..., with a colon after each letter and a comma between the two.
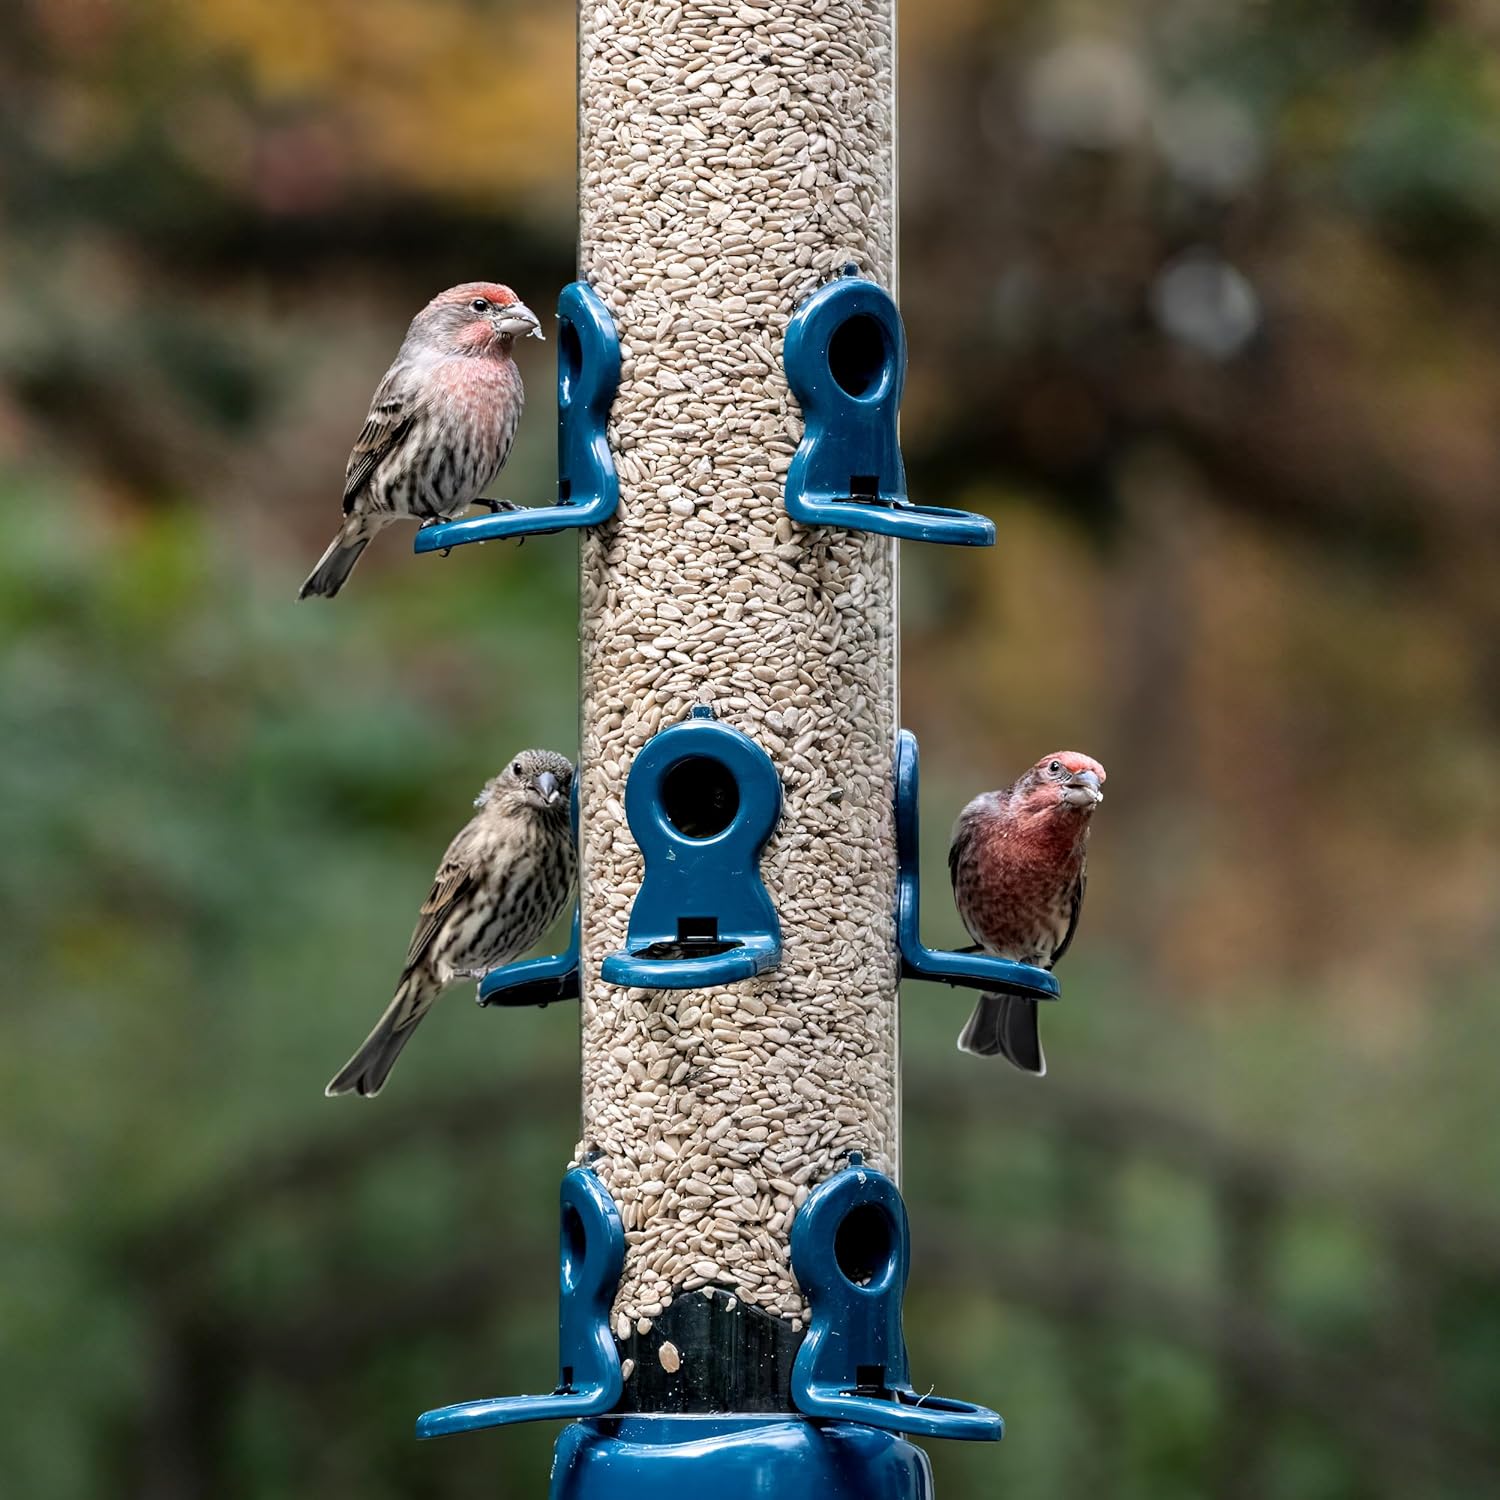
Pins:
x: 440, y: 425
x: 501, y: 885
x: 1018, y: 864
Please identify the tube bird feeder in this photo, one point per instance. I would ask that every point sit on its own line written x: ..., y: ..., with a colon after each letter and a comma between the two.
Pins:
x: 731, y: 160
x: 733, y: 1242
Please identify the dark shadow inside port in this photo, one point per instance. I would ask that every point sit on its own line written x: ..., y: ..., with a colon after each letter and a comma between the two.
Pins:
x: 700, y: 796
x: 693, y: 948
x: 865, y: 1244
x: 697, y: 937
x: 569, y: 361
x: 575, y: 1244
x: 857, y: 355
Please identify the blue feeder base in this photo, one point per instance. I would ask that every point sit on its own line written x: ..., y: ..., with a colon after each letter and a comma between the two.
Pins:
x: 735, y: 1458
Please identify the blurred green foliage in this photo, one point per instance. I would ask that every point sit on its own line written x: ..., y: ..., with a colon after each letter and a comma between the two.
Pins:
x: 1202, y: 304
x: 215, y: 1279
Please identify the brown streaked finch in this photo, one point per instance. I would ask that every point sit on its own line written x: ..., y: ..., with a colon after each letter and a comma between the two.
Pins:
x: 1019, y: 863
x: 503, y: 882
x: 440, y: 425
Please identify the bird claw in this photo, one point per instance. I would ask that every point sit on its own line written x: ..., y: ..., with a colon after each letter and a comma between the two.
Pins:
x: 499, y: 507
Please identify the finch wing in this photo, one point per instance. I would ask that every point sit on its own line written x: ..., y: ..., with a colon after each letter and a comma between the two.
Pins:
x: 390, y: 419
x: 958, y: 851
x: 987, y: 807
x: 456, y: 879
x: 1078, y: 890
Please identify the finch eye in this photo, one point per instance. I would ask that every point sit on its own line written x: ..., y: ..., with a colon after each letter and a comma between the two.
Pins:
x: 515, y: 769
x: 480, y: 305
x: 1056, y: 768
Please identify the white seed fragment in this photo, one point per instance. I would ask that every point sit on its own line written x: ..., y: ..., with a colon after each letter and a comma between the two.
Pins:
x: 671, y: 1360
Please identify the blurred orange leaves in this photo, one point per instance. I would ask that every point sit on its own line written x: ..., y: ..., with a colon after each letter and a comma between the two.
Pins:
x: 473, y: 102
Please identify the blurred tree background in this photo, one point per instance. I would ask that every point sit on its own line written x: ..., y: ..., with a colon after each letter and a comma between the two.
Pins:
x: 1204, y: 309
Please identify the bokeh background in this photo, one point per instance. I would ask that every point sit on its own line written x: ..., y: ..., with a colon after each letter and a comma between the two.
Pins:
x: 1204, y: 309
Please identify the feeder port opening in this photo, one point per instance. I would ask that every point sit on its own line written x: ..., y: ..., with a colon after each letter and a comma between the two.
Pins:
x: 700, y: 797
x: 859, y: 356
x: 865, y: 1246
x: 569, y: 360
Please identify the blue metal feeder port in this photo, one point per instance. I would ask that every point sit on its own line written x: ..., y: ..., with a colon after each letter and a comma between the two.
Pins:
x: 588, y: 489
x: 845, y: 356
x: 977, y: 971
x: 592, y: 1254
x: 701, y: 801
x: 851, y: 1250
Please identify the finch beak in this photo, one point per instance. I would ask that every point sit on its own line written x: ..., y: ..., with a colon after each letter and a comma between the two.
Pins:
x: 519, y: 321
x: 547, y: 785
x: 1082, y: 790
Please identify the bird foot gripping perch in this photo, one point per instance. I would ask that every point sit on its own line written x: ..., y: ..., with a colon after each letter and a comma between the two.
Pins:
x: 588, y: 490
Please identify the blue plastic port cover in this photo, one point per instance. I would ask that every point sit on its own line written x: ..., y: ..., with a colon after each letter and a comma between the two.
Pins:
x: 850, y: 1254
x: 701, y: 800
x: 845, y: 356
x: 591, y: 1256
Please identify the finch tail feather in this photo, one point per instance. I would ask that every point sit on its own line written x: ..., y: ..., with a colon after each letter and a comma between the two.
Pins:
x: 366, y: 1072
x: 1005, y: 1026
x: 334, y: 567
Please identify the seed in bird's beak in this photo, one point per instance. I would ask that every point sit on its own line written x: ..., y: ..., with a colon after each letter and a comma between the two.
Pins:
x: 1083, y: 789
x: 518, y: 319
x: 546, y: 784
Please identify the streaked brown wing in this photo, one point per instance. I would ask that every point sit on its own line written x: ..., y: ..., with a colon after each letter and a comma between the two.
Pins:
x: 386, y: 427
x: 955, y: 853
x: 456, y: 879
x: 958, y: 851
